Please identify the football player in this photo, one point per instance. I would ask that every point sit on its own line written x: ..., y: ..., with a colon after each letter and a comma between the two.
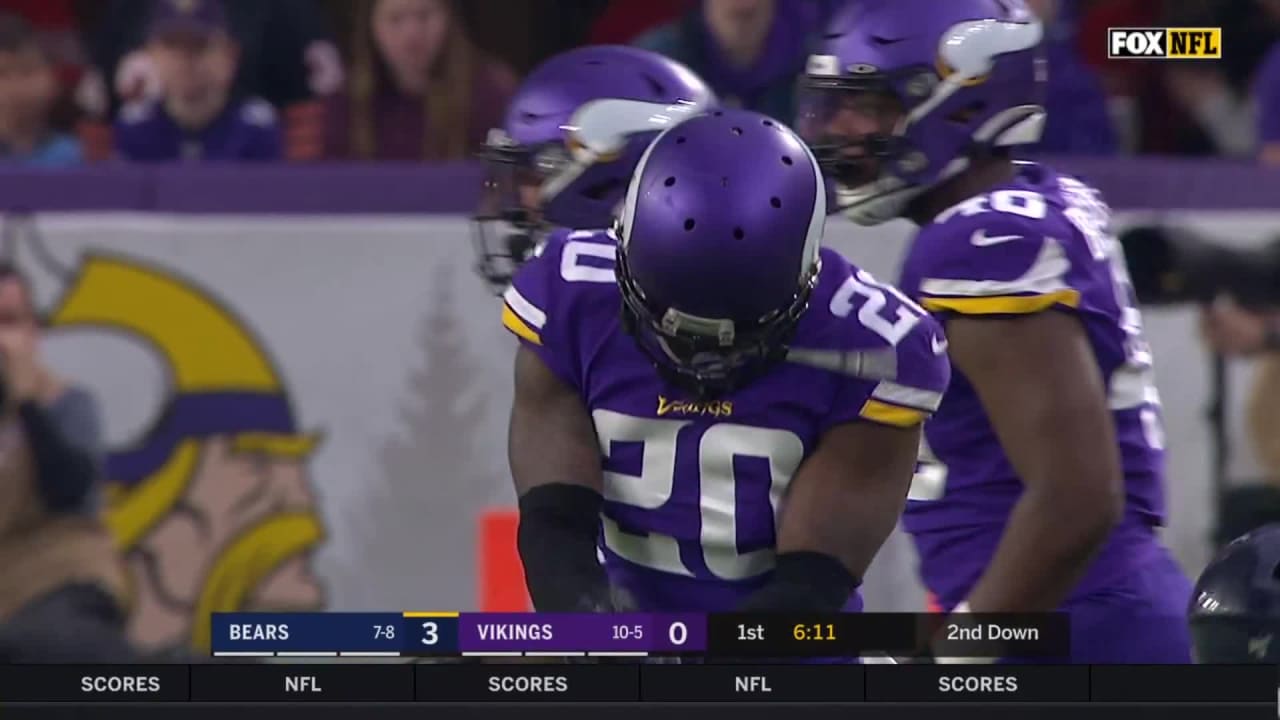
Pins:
x: 728, y: 413
x: 1235, y: 610
x: 573, y: 133
x: 1040, y: 486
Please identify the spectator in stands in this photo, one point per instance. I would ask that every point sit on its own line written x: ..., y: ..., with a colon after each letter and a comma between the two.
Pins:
x: 285, y: 57
x: 1078, y: 122
x: 419, y: 89
x: 196, y: 117
x: 28, y: 91
x: 1218, y: 96
x: 62, y: 584
x: 749, y: 51
x: 1266, y: 88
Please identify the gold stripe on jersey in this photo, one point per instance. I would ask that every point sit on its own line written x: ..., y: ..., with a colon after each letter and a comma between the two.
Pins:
x: 894, y: 415
x: 1003, y: 304
x: 518, y: 327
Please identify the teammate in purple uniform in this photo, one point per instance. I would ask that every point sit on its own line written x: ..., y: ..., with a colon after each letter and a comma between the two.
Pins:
x: 727, y: 412
x: 1040, y: 485
x: 572, y: 135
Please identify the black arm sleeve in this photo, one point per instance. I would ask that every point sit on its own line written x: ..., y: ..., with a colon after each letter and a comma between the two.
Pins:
x: 65, y: 474
x: 559, y: 525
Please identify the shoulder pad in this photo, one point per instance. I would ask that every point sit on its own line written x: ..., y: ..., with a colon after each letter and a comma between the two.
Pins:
x: 137, y: 112
x: 258, y: 112
x: 1003, y: 253
x: 552, y: 296
x: 890, y: 354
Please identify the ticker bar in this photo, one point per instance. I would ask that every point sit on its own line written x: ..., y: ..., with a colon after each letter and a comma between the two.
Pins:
x: 590, y: 680
x: 746, y: 683
x: 1041, y: 636
x: 527, y: 683
x: 1183, y: 683
x: 94, y: 683
x: 977, y: 683
x: 302, y: 683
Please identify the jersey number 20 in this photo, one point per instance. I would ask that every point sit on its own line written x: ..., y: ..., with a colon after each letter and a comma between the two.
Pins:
x: 709, y: 496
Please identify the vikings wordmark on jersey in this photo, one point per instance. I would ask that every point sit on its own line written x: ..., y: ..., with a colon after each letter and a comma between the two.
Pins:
x: 693, y: 487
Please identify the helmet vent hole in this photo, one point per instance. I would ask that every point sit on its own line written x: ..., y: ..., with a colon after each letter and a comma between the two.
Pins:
x: 680, y: 140
x: 786, y: 160
x: 767, y: 123
x: 776, y: 202
x: 688, y: 224
x: 736, y: 131
x: 669, y: 181
x: 738, y: 233
x: 718, y: 113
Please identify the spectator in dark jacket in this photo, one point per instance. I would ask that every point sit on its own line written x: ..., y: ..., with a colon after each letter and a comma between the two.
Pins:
x: 749, y: 51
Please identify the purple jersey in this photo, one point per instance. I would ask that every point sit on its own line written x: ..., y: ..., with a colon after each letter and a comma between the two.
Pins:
x: 1040, y: 242
x: 247, y: 130
x: 693, y: 489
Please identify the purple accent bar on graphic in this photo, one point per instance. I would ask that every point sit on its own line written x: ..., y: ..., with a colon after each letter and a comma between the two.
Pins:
x: 550, y: 632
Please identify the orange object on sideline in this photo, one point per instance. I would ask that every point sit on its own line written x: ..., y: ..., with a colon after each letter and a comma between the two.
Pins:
x: 501, y: 576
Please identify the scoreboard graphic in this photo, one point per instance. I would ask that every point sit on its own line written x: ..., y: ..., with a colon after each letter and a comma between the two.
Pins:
x: 436, y: 634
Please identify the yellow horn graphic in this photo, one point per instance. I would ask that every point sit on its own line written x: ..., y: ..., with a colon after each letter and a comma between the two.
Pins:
x: 206, y: 347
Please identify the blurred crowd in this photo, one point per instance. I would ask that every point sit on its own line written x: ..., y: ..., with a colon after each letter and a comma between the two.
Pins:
x: 300, y: 80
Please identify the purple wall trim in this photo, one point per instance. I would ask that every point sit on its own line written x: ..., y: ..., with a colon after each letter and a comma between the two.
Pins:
x: 1135, y: 183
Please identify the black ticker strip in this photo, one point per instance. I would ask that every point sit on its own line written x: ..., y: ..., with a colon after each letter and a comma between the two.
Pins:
x: 269, y: 682
x: 752, y: 683
x: 1183, y: 683
x: 94, y: 683
x: 528, y: 683
x: 977, y: 683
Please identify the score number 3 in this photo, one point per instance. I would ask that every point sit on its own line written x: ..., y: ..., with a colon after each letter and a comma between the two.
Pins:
x: 430, y: 633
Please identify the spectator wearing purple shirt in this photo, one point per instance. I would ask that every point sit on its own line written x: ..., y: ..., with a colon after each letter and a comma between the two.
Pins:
x: 749, y: 51
x: 418, y: 87
x: 1078, y: 122
x: 1267, y: 92
x: 196, y: 117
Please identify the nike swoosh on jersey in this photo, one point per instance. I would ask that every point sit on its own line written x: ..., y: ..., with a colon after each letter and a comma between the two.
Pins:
x: 939, y: 345
x: 980, y: 238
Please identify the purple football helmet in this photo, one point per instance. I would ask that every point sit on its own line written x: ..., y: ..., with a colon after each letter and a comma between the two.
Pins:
x: 572, y: 136
x: 903, y: 94
x: 718, y: 248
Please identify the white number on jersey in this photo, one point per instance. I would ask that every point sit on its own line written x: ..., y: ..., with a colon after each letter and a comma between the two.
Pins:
x: 863, y: 285
x: 1025, y: 203
x: 1132, y: 385
x: 664, y: 446
x: 572, y: 267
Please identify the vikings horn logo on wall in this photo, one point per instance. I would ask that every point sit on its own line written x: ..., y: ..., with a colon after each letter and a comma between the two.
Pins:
x: 213, y: 505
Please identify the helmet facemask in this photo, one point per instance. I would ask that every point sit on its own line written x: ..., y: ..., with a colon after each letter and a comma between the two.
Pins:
x: 508, y: 226
x: 708, y: 357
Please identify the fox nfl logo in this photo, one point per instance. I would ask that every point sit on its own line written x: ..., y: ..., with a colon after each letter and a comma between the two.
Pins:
x: 1176, y: 43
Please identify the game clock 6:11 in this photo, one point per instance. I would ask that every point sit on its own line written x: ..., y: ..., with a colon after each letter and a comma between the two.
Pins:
x: 813, y: 631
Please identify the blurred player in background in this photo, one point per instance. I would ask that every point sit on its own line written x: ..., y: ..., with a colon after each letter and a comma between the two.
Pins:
x: 1235, y: 610
x: 544, y: 171
x: 743, y: 433
x: 1041, y: 482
